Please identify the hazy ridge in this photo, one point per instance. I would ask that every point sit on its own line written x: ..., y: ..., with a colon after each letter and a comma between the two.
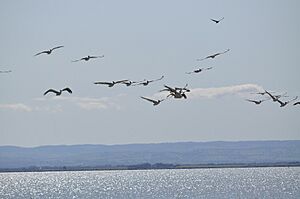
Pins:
x: 168, y: 153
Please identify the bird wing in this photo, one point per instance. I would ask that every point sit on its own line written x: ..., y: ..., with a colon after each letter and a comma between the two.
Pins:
x: 121, y: 81
x: 57, y: 47
x: 45, y: 51
x: 67, y: 89
x: 251, y: 100
x: 106, y: 83
x: 77, y: 60
x: 189, y: 72
x: 157, y: 79
x: 203, y: 58
x: 170, y: 89
x: 208, y: 68
x: 296, y: 103
x: 150, y: 100
x: 51, y: 90
x: 216, y: 21
x: 221, y: 19
x: 97, y: 56
x: 225, y: 51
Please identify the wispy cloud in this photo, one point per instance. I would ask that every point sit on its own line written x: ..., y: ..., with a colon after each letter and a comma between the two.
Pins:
x: 16, y: 107
x: 241, y: 90
x: 86, y: 103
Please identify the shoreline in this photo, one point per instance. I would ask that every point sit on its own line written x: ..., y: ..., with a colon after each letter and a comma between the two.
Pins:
x: 147, y: 166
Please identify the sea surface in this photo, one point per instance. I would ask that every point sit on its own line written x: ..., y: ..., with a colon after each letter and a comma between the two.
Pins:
x: 270, y: 182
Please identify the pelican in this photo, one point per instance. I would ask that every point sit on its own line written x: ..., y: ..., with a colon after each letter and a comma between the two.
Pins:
x: 214, y: 55
x: 5, y: 71
x: 48, y: 51
x: 58, y: 92
x: 111, y: 84
x: 88, y: 58
x: 217, y: 21
x: 282, y: 104
x: 176, y: 92
x: 146, y: 82
x: 199, y: 70
x: 155, y: 102
x: 257, y: 102
x: 129, y: 82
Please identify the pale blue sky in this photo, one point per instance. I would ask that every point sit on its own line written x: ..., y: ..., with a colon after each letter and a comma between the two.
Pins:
x: 147, y: 39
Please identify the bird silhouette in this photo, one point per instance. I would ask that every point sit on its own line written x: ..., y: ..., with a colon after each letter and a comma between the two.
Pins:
x: 213, y: 55
x: 155, y: 102
x: 146, y: 82
x: 176, y: 92
x: 129, y: 82
x: 48, y: 51
x: 199, y: 70
x: 282, y: 104
x: 58, y: 92
x: 88, y: 58
x: 217, y: 21
x: 5, y: 71
x: 111, y: 84
x: 257, y: 102
x: 275, y: 98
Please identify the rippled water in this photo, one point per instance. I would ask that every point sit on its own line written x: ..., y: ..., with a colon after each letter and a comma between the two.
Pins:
x: 189, y: 183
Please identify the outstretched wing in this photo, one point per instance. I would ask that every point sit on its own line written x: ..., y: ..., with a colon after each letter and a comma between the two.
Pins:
x: 296, y: 103
x: 251, y: 101
x: 51, y: 90
x: 67, y: 89
x: 78, y: 60
x: 208, y: 68
x: 56, y: 47
x: 157, y: 79
x: 97, y: 56
x: 45, y: 51
x: 216, y: 21
x: 148, y: 99
x: 105, y: 83
x: 121, y: 81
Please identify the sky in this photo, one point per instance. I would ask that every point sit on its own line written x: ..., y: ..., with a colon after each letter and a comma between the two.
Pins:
x: 145, y: 40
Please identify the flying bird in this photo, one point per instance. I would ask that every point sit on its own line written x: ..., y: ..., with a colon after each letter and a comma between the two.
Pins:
x: 88, y: 58
x: 48, y: 51
x: 257, y: 102
x: 199, y: 70
x: 129, y: 82
x: 275, y: 98
x: 5, y: 71
x: 213, y: 55
x: 146, y: 82
x: 58, y: 92
x: 111, y: 84
x: 217, y: 21
x: 175, y: 92
x: 155, y: 102
x: 282, y: 104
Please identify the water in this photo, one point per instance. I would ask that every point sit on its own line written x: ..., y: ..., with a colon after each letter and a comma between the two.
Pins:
x: 188, y: 183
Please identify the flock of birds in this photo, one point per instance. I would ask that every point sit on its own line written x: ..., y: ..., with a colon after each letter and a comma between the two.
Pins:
x: 175, y: 92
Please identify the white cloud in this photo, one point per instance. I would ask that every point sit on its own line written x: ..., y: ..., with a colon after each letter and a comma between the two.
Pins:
x: 16, y: 107
x: 87, y: 103
x: 241, y: 90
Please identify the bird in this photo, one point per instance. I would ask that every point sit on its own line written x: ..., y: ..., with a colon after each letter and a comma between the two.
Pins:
x: 199, y: 70
x: 275, y: 98
x: 146, y: 82
x: 111, y: 84
x: 155, y: 102
x: 282, y: 104
x: 58, y: 92
x: 5, y: 71
x: 217, y: 21
x: 88, y: 58
x: 297, y: 103
x: 257, y: 102
x: 129, y: 82
x: 213, y: 55
x: 48, y: 51
x: 176, y: 92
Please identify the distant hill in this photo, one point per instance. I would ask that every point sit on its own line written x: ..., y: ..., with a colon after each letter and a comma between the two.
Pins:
x: 167, y: 153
